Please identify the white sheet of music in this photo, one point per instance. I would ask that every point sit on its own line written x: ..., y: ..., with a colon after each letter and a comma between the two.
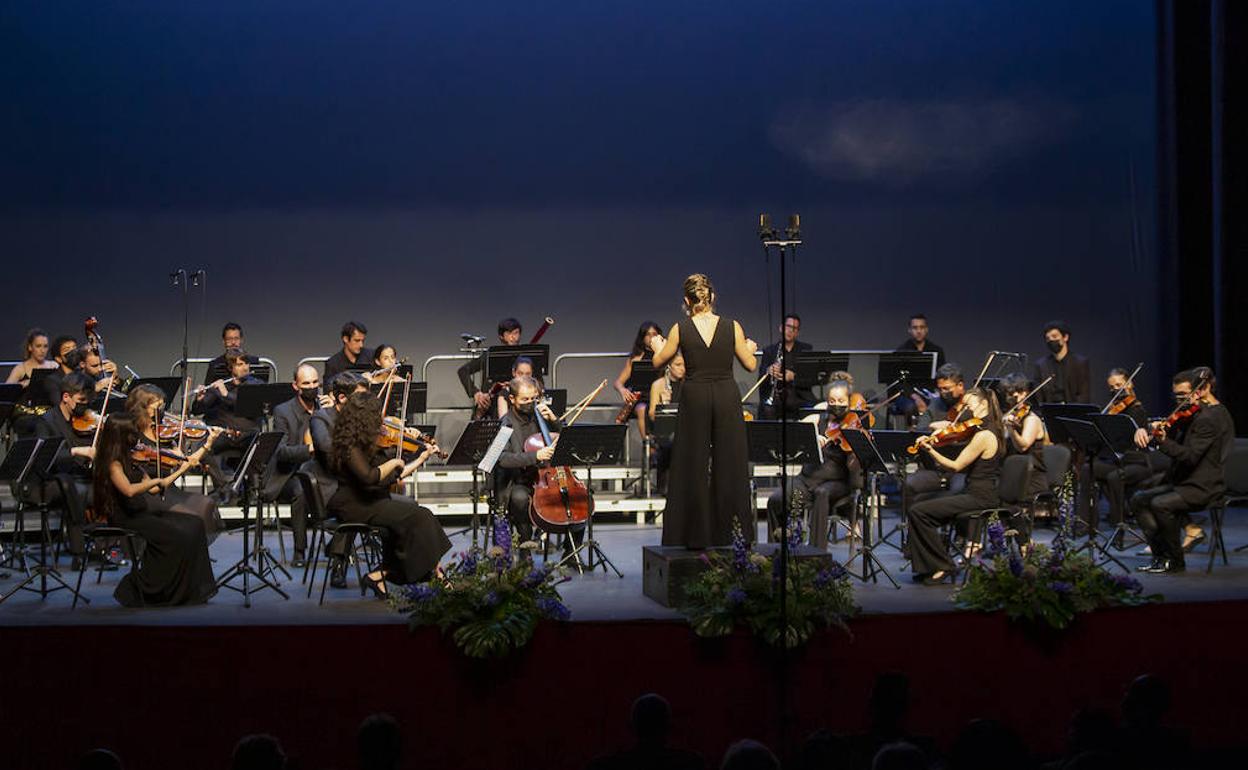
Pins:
x: 496, y: 449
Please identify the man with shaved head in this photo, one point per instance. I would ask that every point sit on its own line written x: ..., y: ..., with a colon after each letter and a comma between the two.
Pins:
x: 293, y: 418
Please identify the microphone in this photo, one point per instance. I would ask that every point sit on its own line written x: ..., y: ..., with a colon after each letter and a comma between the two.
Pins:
x: 197, y: 277
x: 794, y: 230
x: 472, y: 339
x: 765, y: 230
x: 176, y: 276
x: 1005, y: 354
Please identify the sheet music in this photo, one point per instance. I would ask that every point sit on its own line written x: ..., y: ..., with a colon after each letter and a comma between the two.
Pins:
x: 496, y: 449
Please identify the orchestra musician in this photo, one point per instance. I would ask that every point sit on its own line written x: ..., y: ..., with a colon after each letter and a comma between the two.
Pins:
x: 1072, y: 381
x: 218, y: 402
x: 1025, y: 434
x: 665, y: 390
x: 916, y: 342
x: 509, y: 331
x: 521, y: 367
x: 1198, y: 448
x: 353, y: 356
x: 937, y: 479
x: 175, y: 568
x: 294, y: 419
x: 639, y: 352
x: 320, y: 433
x: 64, y: 351
x: 1119, y: 480
x: 704, y: 509
x: 231, y: 337
x: 71, y: 481
x: 822, y: 485
x: 415, y: 542
x: 34, y: 356
x: 143, y: 408
x: 797, y: 395
x: 980, y: 462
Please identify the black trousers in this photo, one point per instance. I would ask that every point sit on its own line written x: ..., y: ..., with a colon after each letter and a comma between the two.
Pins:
x: 1162, y: 514
x: 516, y: 498
x: 823, y: 487
x: 927, y: 547
x: 925, y: 484
x: 1118, y: 483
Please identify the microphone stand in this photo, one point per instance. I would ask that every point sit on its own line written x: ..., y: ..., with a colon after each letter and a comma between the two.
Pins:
x: 181, y: 279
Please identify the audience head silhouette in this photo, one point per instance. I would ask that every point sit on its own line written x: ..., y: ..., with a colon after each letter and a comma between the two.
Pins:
x: 749, y: 755
x: 899, y: 756
x: 651, y: 718
x: 99, y: 759
x: 258, y: 752
x: 1146, y: 702
x: 379, y: 743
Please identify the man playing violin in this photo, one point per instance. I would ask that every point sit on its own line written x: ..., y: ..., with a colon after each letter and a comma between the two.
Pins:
x: 822, y: 485
x: 509, y: 331
x: 1197, y: 438
x: 294, y: 418
x: 71, y: 482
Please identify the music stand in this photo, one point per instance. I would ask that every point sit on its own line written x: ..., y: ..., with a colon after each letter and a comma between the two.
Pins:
x: 256, y: 401
x: 590, y: 445
x: 1053, y: 413
x: 36, y: 389
x: 473, y: 448
x: 642, y: 377
x: 873, y: 467
x: 246, y: 483
x: 168, y: 386
x: 558, y: 399
x: 763, y: 441
x: 909, y: 366
x: 10, y: 392
x: 17, y: 463
x: 1119, y: 430
x: 499, y: 360
x: 891, y: 446
x: 665, y: 416
x: 39, y: 464
x: 814, y: 367
x: 1089, y: 438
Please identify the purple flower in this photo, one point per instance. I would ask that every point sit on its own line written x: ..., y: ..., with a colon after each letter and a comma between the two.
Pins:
x: 1062, y: 587
x: 740, y: 551
x: 735, y: 596
x: 468, y: 563
x: 502, y: 535
x: 1126, y: 583
x: 421, y: 592
x: 837, y: 570
x: 535, y: 578
x: 996, y: 537
x: 822, y: 578
x: 1016, y: 565
x: 554, y: 609
x: 491, y: 599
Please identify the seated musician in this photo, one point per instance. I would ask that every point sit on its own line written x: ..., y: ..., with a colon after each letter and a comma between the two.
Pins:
x: 639, y: 352
x: 521, y: 367
x: 796, y: 395
x: 72, y: 469
x: 415, y: 541
x: 1198, y: 448
x: 518, y: 465
x: 663, y: 391
x: 175, y: 568
x: 1025, y: 435
x: 101, y: 371
x: 509, y: 331
x: 917, y: 342
x: 218, y: 403
x: 353, y: 356
x: 64, y: 351
x: 936, y: 478
x: 143, y: 407
x: 386, y: 370
x: 34, y: 356
x: 1072, y: 381
x: 231, y: 337
x: 980, y: 461
x: 320, y: 429
x: 1119, y: 477
x: 294, y: 418
x: 821, y: 485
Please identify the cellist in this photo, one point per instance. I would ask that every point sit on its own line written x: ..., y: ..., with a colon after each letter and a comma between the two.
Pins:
x: 822, y: 485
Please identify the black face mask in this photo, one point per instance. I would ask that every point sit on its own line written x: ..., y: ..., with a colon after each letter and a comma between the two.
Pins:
x: 526, y: 409
x: 309, y: 395
x: 1055, y: 346
x: 80, y: 410
x: 948, y: 400
x: 838, y: 411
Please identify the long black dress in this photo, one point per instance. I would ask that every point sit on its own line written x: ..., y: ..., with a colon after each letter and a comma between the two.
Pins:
x: 709, y: 481
x: 416, y: 540
x: 175, y: 567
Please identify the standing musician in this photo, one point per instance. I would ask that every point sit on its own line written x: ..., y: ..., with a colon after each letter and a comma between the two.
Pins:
x: 142, y: 409
x: 1120, y: 480
x: 796, y: 395
x: 231, y: 337
x: 824, y: 484
x: 937, y: 478
x: 519, y: 466
x: 980, y: 461
x: 294, y: 418
x: 320, y: 433
x: 34, y: 356
x: 176, y: 568
x: 72, y: 469
x: 509, y: 331
x: 1198, y: 443
x: 665, y: 390
x: 415, y: 542
x: 1072, y: 381
x: 353, y: 356
x: 639, y: 352
x: 918, y: 341
x: 1025, y: 430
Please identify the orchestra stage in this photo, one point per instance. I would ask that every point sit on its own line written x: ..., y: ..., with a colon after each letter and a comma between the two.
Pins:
x: 212, y: 673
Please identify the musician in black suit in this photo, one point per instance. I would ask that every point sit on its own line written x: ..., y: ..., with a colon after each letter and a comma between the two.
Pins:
x: 509, y: 331
x: 1072, y: 379
x: 231, y: 337
x: 293, y: 418
x: 70, y: 484
x: 797, y: 394
x: 353, y: 357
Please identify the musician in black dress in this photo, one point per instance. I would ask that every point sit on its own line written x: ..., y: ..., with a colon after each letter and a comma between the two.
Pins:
x: 321, y: 431
x: 1026, y: 435
x: 1120, y: 477
x: 1198, y: 449
x: 934, y: 479
x: 980, y: 460
x: 797, y: 395
x: 415, y: 541
x: 639, y: 352
x: 703, y: 508
x: 821, y: 485
x: 175, y: 566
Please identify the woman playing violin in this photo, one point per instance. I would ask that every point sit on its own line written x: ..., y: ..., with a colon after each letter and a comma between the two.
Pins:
x: 1119, y: 477
x: 980, y: 460
x: 1025, y: 430
x: 175, y: 568
x: 143, y: 408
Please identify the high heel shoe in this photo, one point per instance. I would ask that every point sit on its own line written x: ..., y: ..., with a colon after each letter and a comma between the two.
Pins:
x: 378, y: 585
x: 932, y: 580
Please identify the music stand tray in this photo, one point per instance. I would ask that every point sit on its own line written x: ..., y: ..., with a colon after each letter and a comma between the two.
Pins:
x: 1118, y: 430
x: 801, y: 445
x: 247, y: 479
x: 586, y: 446
x: 665, y: 418
x: 256, y: 402
x: 1053, y: 413
x: 499, y: 360
x: 36, y: 389
x: 814, y: 367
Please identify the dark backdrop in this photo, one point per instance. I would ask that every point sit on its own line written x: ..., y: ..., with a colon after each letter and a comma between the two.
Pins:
x: 427, y: 169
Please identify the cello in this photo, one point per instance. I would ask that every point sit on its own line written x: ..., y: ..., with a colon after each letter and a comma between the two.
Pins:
x: 560, y: 502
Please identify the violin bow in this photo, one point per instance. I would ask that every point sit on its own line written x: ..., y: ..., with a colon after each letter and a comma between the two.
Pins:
x: 108, y: 392
x: 402, y: 412
x: 1118, y: 393
x: 983, y: 370
x: 582, y: 405
x: 1027, y: 397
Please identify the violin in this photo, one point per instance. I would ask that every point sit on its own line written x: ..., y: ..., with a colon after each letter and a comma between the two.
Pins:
x: 1177, y: 417
x: 86, y: 424
x: 172, y: 427
x: 394, y: 435
x: 835, y: 430
x: 494, y: 390
x: 1123, y: 404
x: 560, y: 500
x: 954, y: 433
x: 166, y: 458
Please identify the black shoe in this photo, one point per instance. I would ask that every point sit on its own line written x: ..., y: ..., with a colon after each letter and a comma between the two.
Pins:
x: 1172, y: 566
x: 338, y: 573
x: 298, y: 561
x: 1153, y: 566
x: 377, y: 585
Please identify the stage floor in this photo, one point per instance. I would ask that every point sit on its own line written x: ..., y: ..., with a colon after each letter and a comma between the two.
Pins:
x: 591, y: 597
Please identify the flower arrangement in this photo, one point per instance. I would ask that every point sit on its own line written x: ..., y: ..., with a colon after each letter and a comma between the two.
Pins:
x: 744, y: 589
x: 1047, y: 584
x: 490, y: 601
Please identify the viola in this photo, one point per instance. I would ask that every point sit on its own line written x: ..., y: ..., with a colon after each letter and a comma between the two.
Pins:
x: 858, y: 403
x: 560, y: 500
x: 394, y: 435
x: 1122, y: 405
x: 955, y: 433
x: 166, y: 458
